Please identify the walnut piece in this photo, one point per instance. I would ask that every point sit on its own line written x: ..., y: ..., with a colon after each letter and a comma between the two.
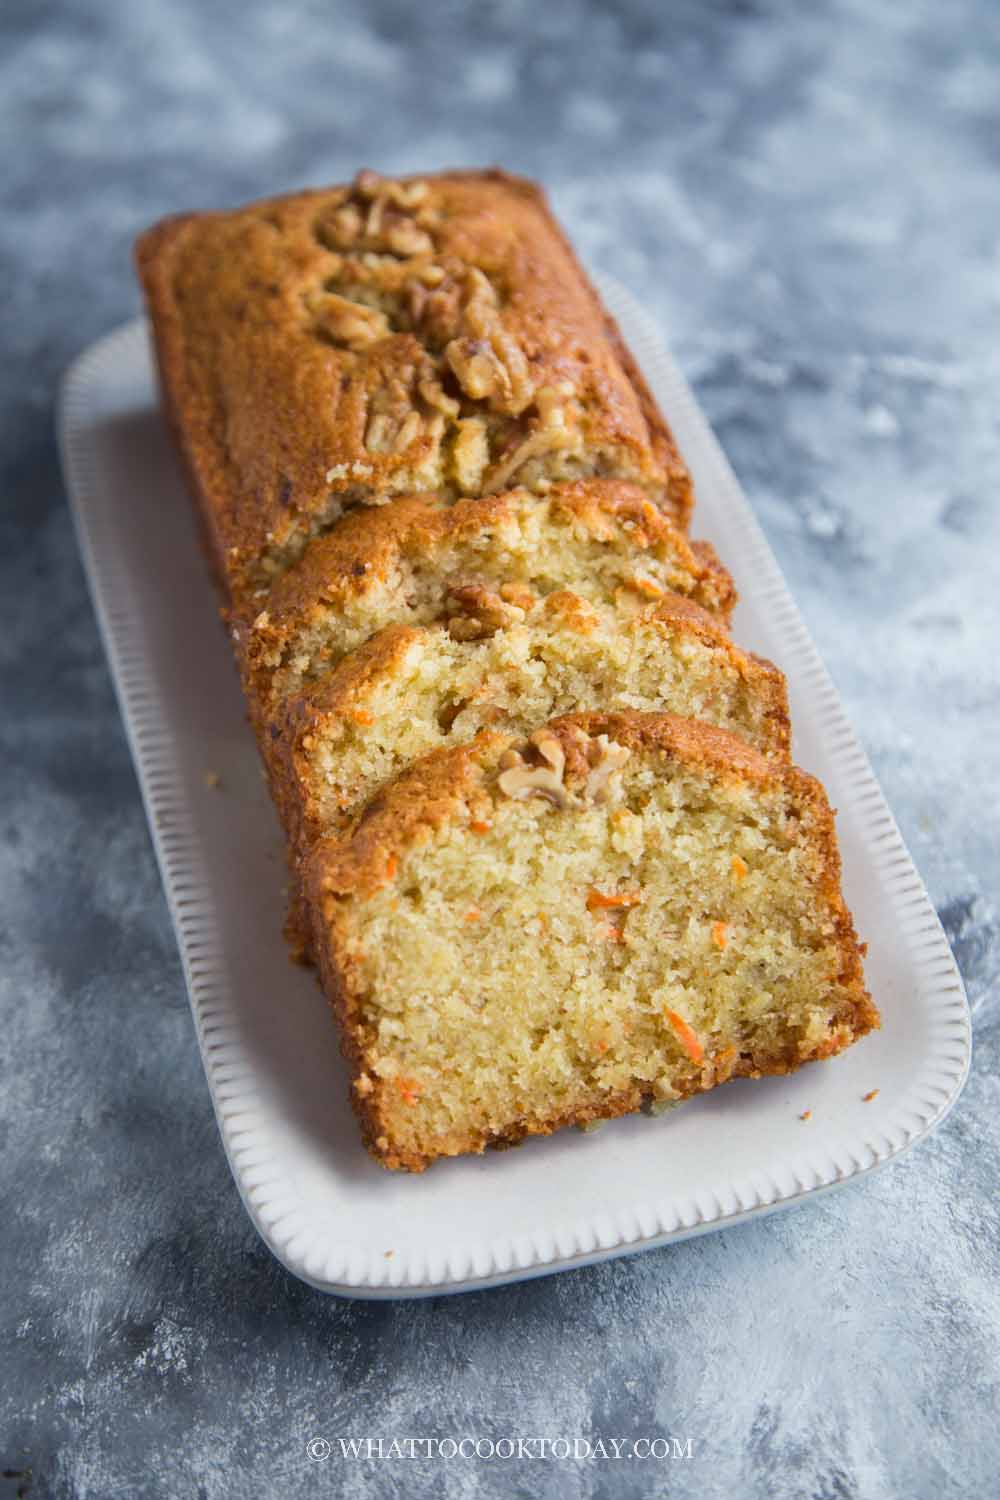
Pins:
x: 549, y: 747
x: 350, y: 323
x: 478, y: 612
x: 521, y: 782
x: 404, y: 238
x: 434, y: 394
x: 475, y: 367
x: 556, y: 430
x: 519, y: 779
x: 381, y: 214
x: 607, y: 760
x: 407, y: 434
x: 488, y: 363
x: 386, y: 435
x: 470, y: 454
x: 369, y: 185
x: 343, y: 228
x: 536, y: 770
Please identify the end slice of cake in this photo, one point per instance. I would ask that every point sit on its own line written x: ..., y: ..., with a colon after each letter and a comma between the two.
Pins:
x: 329, y: 349
x: 525, y: 934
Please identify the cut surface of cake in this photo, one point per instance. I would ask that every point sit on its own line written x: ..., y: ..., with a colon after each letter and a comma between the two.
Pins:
x: 525, y: 934
x: 410, y: 690
x: 402, y: 563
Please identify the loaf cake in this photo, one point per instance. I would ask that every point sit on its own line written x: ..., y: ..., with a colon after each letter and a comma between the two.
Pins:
x: 620, y: 909
x: 548, y: 849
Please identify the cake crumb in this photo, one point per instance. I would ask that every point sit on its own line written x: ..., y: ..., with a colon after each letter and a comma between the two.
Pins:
x: 389, y: 1254
x: 212, y: 780
x: 806, y: 1114
x: 867, y: 1098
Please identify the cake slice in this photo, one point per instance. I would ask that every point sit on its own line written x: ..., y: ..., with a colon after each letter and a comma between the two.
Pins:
x: 522, y: 935
x: 401, y: 564
x: 413, y: 689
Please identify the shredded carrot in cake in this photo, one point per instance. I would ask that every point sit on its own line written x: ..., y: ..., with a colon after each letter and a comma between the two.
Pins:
x: 740, y: 868
x: 686, y: 1036
x: 720, y: 934
x: 408, y: 1089
x: 478, y: 826
x: 362, y: 716
x: 473, y: 914
x: 646, y: 586
x: 598, y: 901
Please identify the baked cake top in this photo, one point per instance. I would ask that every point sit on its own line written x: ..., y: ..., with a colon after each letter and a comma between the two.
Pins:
x: 342, y: 346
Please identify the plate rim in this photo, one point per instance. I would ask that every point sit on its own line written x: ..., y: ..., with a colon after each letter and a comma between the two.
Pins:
x: 341, y: 1271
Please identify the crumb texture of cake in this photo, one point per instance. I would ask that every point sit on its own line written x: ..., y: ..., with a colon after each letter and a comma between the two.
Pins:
x: 411, y: 690
x: 341, y: 347
x: 525, y: 934
x: 412, y: 561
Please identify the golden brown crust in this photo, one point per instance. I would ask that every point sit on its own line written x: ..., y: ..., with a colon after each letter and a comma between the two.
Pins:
x: 460, y: 786
x: 191, y: 423
x: 294, y: 395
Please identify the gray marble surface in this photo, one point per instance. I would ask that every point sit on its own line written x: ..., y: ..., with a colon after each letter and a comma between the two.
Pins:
x: 807, y: 198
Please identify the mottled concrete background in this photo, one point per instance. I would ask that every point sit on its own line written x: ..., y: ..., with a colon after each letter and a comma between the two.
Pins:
x: 808, y: 198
